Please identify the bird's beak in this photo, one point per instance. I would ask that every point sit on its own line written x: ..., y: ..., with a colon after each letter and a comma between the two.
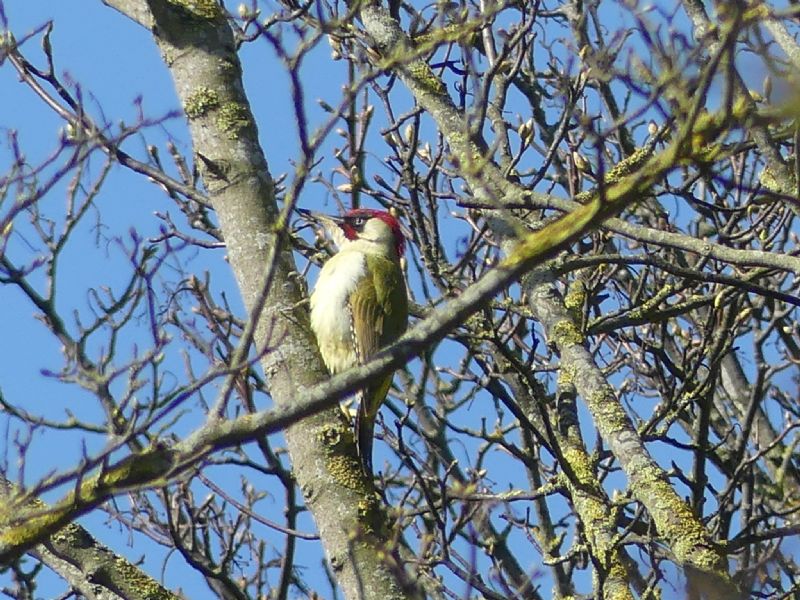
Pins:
x: 331, y: 224
x: 319, y: 217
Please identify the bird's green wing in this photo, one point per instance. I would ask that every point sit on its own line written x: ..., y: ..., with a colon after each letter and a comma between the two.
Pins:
x: 380, y: 307
x: 380, y: 316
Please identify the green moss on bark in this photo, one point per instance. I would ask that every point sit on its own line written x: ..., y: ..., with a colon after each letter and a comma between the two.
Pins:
x: 424, y: 76
x: 341, y: 462
x: 566, y: 333
x: 233, y: 118
x: 200, y: 9
x: 201, y: 102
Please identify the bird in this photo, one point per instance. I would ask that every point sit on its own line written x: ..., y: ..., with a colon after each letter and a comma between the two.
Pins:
x: 360, y: 305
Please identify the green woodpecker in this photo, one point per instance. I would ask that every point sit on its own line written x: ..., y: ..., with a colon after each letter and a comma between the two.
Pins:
x: 360, y: 305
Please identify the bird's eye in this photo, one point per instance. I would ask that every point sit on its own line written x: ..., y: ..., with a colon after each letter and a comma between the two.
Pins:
x: 359, y: 221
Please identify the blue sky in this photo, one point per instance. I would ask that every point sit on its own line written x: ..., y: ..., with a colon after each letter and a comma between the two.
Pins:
x: 120, y: 72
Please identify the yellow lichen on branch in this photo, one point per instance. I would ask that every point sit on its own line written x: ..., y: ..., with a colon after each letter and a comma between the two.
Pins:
x: 28, y: 521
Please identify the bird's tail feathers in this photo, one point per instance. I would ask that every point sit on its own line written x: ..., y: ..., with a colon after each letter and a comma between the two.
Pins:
x: 371, y: 400
x: 365, y: 430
